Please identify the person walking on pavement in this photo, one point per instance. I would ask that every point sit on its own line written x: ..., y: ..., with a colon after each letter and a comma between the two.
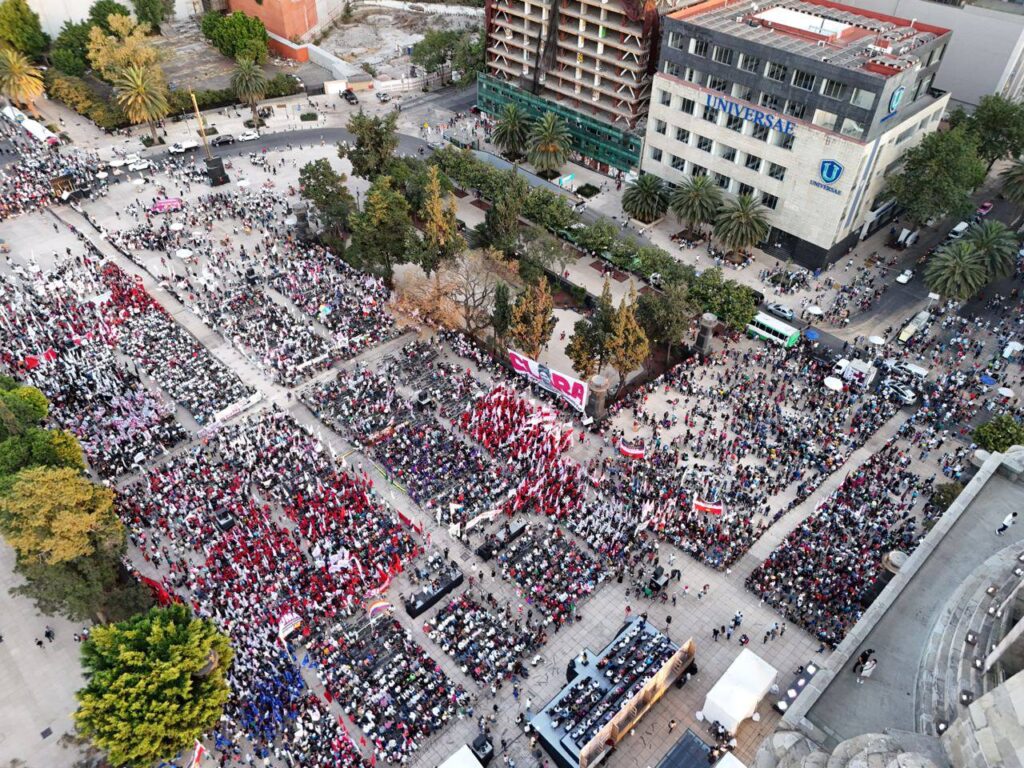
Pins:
x: 866, y: 672
x: 1009, y: 520
x: 863, y: 659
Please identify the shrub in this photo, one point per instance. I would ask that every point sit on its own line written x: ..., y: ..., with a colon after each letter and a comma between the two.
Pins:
x: 945, y: 494
x: 587, y: 190
x: 308, y: 116
x: 80, y: 97
x: 236, y: 35
x: 281, y: 85
x: 1000, y: 433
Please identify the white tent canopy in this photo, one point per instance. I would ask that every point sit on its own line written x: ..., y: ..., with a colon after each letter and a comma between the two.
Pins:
x: 463, y: 757
x: 729, y: 760
x: 737, y: 693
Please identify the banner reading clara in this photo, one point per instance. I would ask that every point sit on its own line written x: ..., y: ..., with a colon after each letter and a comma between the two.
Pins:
x: 572, y: 390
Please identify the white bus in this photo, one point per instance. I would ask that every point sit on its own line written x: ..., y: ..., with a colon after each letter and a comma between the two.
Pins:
x: 768, y: 328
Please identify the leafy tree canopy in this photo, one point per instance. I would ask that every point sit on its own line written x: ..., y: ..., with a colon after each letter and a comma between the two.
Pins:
x: 56, y: 514
x: 731, y: 302
x: 1000, y: 433
x: 154, y: 683
x: 376, y: 139
x: 101, y: 11
x: 997, y: 124
x: 20, y: 28
x: 325, y: 188
x: 236, y: 35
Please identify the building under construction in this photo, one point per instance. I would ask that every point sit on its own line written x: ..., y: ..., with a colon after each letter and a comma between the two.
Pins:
x: 588, y: 61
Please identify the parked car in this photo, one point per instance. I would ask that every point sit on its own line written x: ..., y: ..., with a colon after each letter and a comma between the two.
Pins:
x: 957, y: 232
x: 221, y: 141
x: 248, y: 136
x: 899, y: 391
x: 350, y: 96
x: 905, y: 276
x: 141, y: 165
x: 985, y: 208
x: 383, y: 97
x: 180, y: 147
x: 780, y: 310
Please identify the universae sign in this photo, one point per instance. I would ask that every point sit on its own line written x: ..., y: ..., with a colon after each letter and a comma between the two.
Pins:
x: 768, y: 120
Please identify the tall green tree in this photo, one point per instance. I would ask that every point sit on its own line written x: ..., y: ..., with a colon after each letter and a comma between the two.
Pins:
x: 142, y: 94
x: 597, y: 237
x: 500, y: 227
x: 645, y: 199
x: 70, y: 51
x: 550, y: 142
x: 20, y: 82
x: 956, y: 271
x: 326, y: 189
x: 153, y: 12
x: 938, y: 176
x: 501, y: 315
x: 94, y: 586
x: 470, y: 55
x: 250, y: 86
x: 154, y: 684
x: 375, y: 141
x: 20, y: 28
x: 533, y: 319
x: 434, y: 52
x: 1000, y: 433
x: 741, y: 223
x: 588, y: 345
x: 53, y: 515
x: 38, y: 448
x: 696, y: 202
x: 997, y: 124
x: 1012, y: 178
x: 411, y: 176
x: 665, y: 315
x: 732, y: 303
x: 511, y: 132
x: 627, y: 346
x: 441, y: 239
x: 382, y: 233
x: 236, y: 35
x: 101, y: 11
x: 997, y: 245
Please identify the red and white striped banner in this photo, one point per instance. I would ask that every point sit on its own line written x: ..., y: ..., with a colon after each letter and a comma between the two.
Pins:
x: 708, y: 507
x: 635, y: 450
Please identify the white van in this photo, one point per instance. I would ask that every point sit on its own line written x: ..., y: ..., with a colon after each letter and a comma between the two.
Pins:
x: 958, y: 231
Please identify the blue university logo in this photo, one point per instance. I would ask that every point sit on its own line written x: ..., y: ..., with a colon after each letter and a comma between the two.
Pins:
x: 830, y: 171
x: 896, y: 98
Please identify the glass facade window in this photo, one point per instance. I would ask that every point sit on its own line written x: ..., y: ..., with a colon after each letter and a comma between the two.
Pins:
x: 655, y: 154
x: 795, y: 109
x: 698, y: 170
x: 769, y: 102
x: 776, y: 171
x: 660, y: 126
x: 678, y: 163
x: 682, y: 136
x: 753, y: 162
x: 722, y: 180
x: 836, y: 90
x: 677, y: 41
x: 760, y: 132
x: 750, y: 63
x: 700, y: 48
x: 719, y: 84
x: 734, y: 123
x: 724, y: 55
x: 804, y: 80
x: 671, y: 68
x: 711, y: 114
x: 727, y: 153
x: 704, y: 143
x: 769, y: 201
x: 687, y: 106
x: 778, y: 72
x: 664, y: 98
x: 745, y: 189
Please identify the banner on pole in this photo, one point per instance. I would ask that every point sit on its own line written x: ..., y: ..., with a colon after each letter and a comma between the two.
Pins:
x: 633, y: 449
x: 570, y: 389
x: 708, y: 507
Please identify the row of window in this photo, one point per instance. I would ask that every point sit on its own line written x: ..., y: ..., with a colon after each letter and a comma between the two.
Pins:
x: 721, y: 180
x: 724, y: 151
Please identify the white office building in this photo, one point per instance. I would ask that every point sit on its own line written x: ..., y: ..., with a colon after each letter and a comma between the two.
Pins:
x: 805, y: 104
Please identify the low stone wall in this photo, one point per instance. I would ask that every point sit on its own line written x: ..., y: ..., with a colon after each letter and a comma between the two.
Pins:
x: 991, y: 734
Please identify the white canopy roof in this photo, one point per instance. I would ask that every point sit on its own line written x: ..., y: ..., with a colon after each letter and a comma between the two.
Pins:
x: 737, y: 693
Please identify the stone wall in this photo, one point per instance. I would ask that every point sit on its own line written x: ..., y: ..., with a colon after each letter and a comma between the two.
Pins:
x: 991, y: 734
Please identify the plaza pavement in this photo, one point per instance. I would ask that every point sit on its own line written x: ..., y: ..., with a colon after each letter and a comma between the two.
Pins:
x: 41, y: 693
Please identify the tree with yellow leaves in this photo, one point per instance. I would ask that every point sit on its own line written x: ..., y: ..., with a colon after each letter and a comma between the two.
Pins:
x: 626, y: 346
x: 441, y: 239
x: 126, y: 45
x: 532, y: 319
x: 54, y: 515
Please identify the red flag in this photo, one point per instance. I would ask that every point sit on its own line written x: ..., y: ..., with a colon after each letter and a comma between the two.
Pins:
x: 362, y: 741
x: 31, y: 361
x: 197, y: 756
x: 50, y: 355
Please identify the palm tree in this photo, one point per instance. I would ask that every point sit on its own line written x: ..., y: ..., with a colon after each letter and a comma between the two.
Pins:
x: 741, y: 223
x: 20, y: 82
x: 511, y: 132
x: 1013, y: 182
x: 549, y: 144
x: 249, y: 85
x: 142, y: 94
x: 956, y: 271
x: 645, y: 199
x: 997, y: 246
x: 696, y: 201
